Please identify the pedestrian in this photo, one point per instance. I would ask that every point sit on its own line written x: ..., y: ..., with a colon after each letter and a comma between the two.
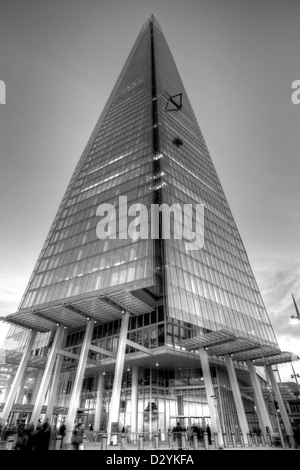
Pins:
x: 78, y: 436
x: 29, y: 430
x: 19, y: 443
x: 189, y: 432
x: 208, y: 434
x: 62, y: 433
x: 45, y: 435
x: 36, y: 436
x: 177, y: 433
x: 22, y: 440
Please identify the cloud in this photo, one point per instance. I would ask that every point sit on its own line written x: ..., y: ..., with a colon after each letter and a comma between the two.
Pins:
x: 276, y: 287
x: 277, y: 283
x: 11, y: 292
x: 6, y: 292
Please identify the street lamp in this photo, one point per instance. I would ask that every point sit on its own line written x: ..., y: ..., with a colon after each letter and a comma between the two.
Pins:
x: 295, y: 318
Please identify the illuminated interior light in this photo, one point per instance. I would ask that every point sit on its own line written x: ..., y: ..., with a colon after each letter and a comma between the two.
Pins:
x: 118, y: 264
x: 103, y: 181
x: 159, y: 186
x: 109, y: 163
x: 159, y: 175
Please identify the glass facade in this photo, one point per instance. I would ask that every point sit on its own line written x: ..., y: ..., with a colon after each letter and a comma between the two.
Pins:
x: 170, y: 393
x: 213, y: 287
x: 163, y: 395
x: 117, y: 162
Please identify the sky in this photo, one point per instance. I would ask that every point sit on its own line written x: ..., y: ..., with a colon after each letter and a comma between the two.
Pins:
x: 237, y: 59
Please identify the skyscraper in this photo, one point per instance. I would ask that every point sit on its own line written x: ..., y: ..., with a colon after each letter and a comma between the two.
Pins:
x: 128, y: 324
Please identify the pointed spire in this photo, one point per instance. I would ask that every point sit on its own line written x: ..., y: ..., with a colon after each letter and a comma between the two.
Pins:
x: 154, y: 21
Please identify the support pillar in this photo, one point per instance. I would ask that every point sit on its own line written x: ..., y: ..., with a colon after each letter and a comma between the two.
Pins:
x: 116, y: 391
x: 99, y: 403
x: 8, y: 387
x: 75, y: 396
x: 261, y: 423
x: 18, y: 377
x: 262, y: 412
x: 52, y: 393
x: 48, y: 390
x: 283, y: 412
x: 237, y: 397
x: 134, y: 401
x: 210, y: 396
x: 37, y: 385
x: 20, y: 394
x: 47, y: 375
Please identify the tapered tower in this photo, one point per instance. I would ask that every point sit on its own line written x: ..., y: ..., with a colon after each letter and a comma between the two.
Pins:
x: 144, y: 265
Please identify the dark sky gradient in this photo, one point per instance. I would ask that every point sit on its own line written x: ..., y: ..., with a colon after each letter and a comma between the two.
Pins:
x: 238, y: 59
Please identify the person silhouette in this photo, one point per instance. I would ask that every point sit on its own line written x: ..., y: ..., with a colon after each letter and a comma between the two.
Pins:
x: 208, y: 434
x: 62, y: 432
x: 177, y: 432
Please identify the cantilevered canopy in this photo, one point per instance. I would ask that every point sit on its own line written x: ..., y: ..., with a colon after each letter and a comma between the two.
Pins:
x: 284, y: 356
x: 222, y: 342
x: 263, y: 350
x: 208, y: 340
x: 285, y: 391
x: 14, y: 357
x: 74, y: 312
x: 39, y: 362
x: 235, y: 347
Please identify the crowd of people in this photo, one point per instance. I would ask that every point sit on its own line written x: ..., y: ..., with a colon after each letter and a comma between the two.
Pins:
x: 189, y: 432
x: 27, y: 437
